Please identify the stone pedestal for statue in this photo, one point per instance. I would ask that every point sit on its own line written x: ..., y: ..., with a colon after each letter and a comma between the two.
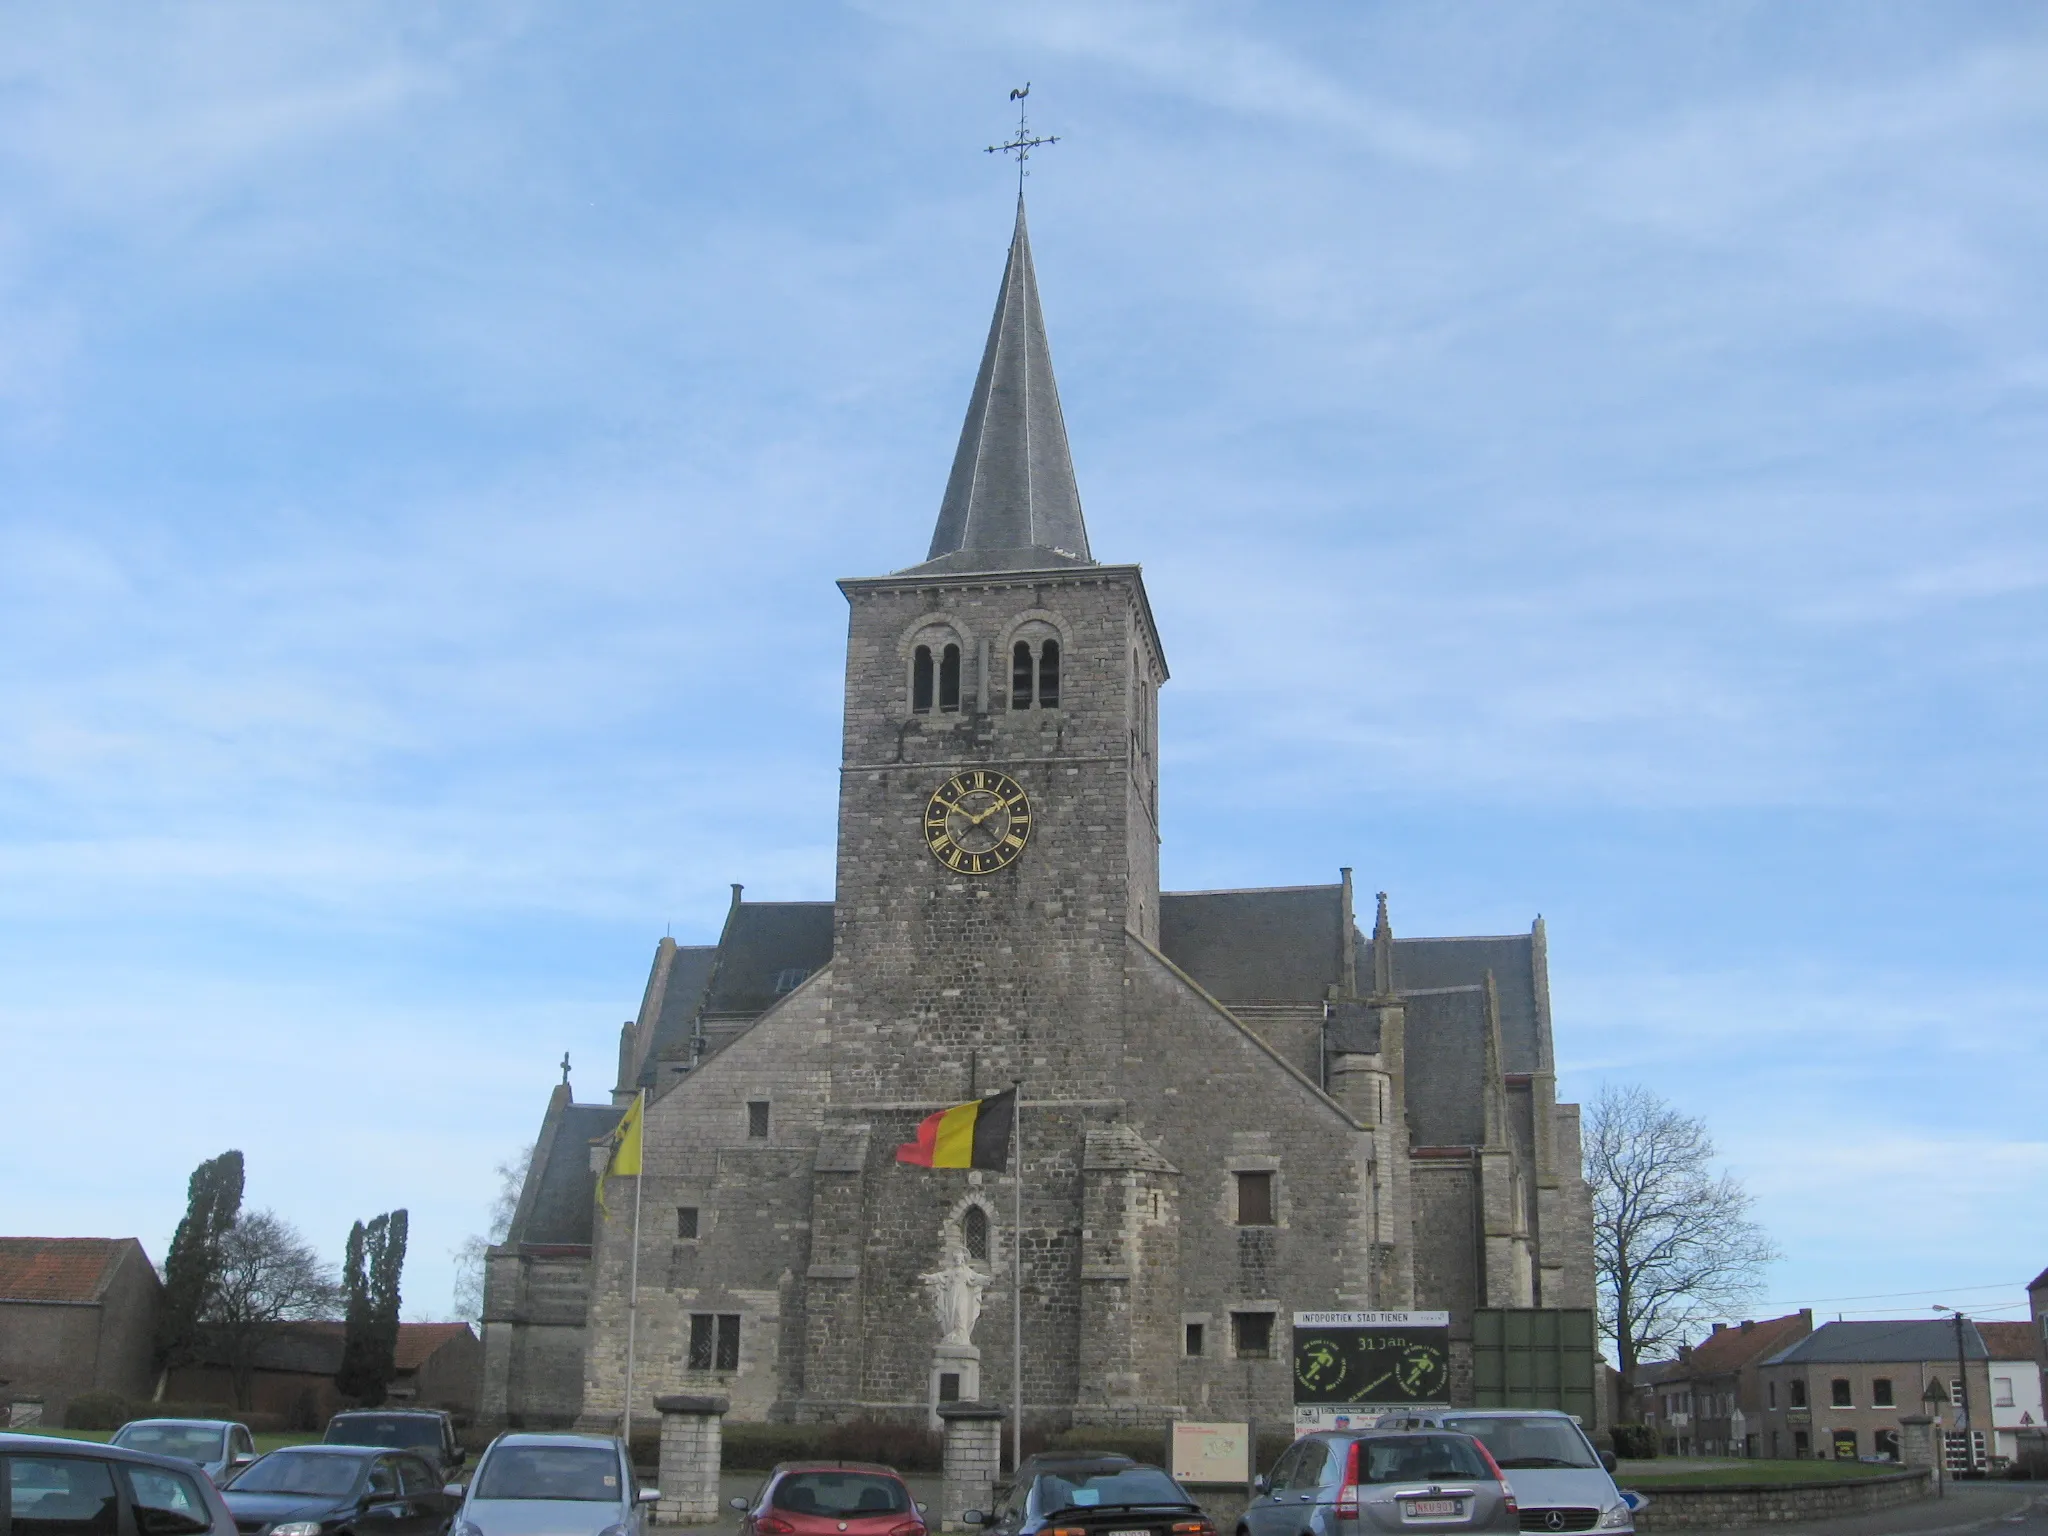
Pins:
x: 955, y: 1289
x: 955, y: 1378
x: 692, y: 1444
x: 1917, y: 1440
x: 974, y: 1461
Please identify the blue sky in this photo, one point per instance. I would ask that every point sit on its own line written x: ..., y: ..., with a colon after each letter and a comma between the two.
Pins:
x: 1593, y: 455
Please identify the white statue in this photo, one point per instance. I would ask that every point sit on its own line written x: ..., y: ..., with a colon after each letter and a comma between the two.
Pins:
x: 956, y: 1297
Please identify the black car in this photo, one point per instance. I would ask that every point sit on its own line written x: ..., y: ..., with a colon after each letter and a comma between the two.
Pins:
x: 1092, y: 1495
x: 425, y: 1432
x: 340, y: 1490
x: 59, y: 1487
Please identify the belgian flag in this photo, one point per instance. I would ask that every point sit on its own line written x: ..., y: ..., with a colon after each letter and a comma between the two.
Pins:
x: 975, y: 1135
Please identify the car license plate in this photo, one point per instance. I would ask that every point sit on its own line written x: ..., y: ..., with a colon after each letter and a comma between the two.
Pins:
x: 1128, y: 1533
x: 1434, y: 1506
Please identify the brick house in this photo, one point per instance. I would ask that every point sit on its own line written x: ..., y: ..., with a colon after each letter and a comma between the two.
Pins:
x: 77, y: 1314
x: 1710, y: 1400
x: 1235, y: 1103
x: 1840, y: 1391
x: 439, y: 1365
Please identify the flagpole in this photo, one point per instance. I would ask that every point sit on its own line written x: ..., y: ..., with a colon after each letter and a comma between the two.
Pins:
x: 1017, y: 1282
x: 633, y: 1273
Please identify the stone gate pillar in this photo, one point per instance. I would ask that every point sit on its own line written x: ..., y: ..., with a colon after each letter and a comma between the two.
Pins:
x: 974, y: 1460
x: 692, y: 1441
x: 1916, y: 1440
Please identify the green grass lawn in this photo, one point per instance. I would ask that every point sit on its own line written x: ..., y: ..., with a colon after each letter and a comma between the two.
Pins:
x: 263, y: 1442
x: 1647, y: 1476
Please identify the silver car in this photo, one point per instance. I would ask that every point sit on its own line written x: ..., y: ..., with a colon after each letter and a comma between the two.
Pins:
x: 1564, y: 1483
x: 218, y: 1446
x: 554, y: 1485
x: 1364, y: 1482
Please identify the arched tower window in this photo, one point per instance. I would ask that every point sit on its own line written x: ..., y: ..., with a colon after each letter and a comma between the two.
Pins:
x: 949, y: 678
x: 1020, y: 675
x: 1049, y: 675
x: 974, y: 1232
x: 921, y: 681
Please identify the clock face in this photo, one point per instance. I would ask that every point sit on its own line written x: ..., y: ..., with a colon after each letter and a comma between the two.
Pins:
x: 977, y: 822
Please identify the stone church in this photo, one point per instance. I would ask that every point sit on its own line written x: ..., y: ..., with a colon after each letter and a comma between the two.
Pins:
x: 1234, y: 1104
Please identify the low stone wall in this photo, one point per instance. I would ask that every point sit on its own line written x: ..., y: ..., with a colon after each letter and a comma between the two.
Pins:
x: 1697, y: 1506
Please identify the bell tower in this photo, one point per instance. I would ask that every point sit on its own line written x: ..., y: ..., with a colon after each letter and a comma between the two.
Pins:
x: 998, y: 811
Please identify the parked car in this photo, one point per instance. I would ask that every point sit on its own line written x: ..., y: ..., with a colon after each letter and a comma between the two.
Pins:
x: 425, y: 1432
x: 81, y: 1488
x: 554, y: 1485
x: 1563, y: 1482
x: 340, y: 1490
x: 830, y: 1498
x: 217, y: 1446
x: 1084, y: 1494
x: 1369, y: 1480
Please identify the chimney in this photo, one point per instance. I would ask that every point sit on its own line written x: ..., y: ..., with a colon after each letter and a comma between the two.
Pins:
x: 1747, y: 1324
x: 1720, y: 1327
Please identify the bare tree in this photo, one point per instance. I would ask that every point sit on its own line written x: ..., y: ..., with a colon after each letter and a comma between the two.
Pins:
x: 268, y: 1274
x: 469, y: 1254
x: 1673, y: 1245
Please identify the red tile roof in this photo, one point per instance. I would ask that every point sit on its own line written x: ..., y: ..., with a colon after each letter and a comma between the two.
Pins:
x: 1736, y: 1345
x: 2011, y: 1341
x: 74, y: 1269
x: 416, y: 1341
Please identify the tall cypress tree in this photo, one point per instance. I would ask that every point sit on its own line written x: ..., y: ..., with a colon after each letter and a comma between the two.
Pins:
x: 213, y: 1202
x: 376, y: 1255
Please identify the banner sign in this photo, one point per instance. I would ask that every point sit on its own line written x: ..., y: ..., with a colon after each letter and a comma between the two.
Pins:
x: 1371, y: 1357
x: 1211, y: 1453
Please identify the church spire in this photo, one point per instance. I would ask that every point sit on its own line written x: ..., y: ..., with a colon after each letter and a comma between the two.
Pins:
x: 1011, y: 502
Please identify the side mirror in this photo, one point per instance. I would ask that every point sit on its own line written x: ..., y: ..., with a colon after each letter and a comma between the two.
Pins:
x: 242, y: 1458
x: 453, y: 1490
x: 1262, y: 1484
x: 458, y: 1457
x: 924, y: 1509
x: 650, y: 1495
x: 1607, y: 1460
x: 973, y: 1517
x: 738, y: 1503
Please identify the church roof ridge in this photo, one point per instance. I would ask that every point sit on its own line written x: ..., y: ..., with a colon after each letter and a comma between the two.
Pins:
x: 1254, y: 890
x: 1011, y: 502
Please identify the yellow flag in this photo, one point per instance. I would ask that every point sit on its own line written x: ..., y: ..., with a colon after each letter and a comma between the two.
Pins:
x: 625, y: 1145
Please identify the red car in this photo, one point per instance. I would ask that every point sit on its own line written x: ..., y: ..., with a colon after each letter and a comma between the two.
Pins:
x: 831, y: 1498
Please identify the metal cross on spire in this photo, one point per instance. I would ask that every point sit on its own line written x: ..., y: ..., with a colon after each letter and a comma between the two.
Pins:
x: 565, y: 1069
x: 1022, y: 145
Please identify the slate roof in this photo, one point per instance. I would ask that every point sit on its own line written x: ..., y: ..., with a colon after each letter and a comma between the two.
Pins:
x: 762, y: 939
x: 61, y: 1269
x: 1426, y: 964
x: 689, y: 977
x: 566, y: 1202
x: 1906, y: 1341
x: 2011, y: 1341
x: 1279, y: 945
x: 2038, y: 1281
x: 1446, y: 1055
x: 1011, y: 502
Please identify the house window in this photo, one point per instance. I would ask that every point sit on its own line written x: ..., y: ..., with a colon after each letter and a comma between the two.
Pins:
x: 2001, y: 1392
x: 1192, y: 1341
x: 1838, y: 1394
x: 1798, y: 1390
x: 789, y: 978
x: 1885, y: 1442
x: 686, y: 1221
x: 1020, y: 675
x: 1801, y: 1445
x: 921, y: 681
x: 1251, y: 1335
x: 1255, y: 1199
x: 757, y: 1120
x: 1771, y: 1393
x: 1955, y: 1390
x: 1881, y: 1392
x: 714, y: 1341
x: 974, y: 1232
x: 1049, y: 675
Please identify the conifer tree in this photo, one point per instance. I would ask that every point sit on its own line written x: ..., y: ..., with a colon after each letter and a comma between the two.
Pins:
x: 376, y: 1255
x: 213, y: 1201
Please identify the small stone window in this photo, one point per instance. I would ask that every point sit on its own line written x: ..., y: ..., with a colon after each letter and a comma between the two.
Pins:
x: 1192, y: 1341
x: 1255, y: 1199
x: 714, y: 1341
x: 686, y: 1221
x: 789, y: 978
x: 1049, y: 675
x: 949, y: 680
x: 1881, y: 1392
x: 1251, y: 1335
x: 1839, y: 1395
x: 974, y: 1232
x: 921, y: 681
x: 757, y: 1120
x: 1797, y: 1389
x: 1020, y: 675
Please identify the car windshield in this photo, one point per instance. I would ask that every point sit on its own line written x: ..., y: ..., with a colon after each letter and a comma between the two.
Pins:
x: 1420, y: 1459
x: 306, y: 1472
x: 839, y: 1494
x: 579, y: 1472
x: 398, y: 1431
x: 1111, y: 1488
x: 1532, y: 1442
x: 192, y: 1442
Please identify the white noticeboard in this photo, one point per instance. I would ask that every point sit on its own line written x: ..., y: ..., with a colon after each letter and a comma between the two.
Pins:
x: 1211, y: 1453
